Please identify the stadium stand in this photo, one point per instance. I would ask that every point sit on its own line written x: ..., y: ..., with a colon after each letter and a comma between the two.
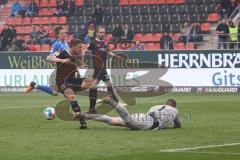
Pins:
x: 147, y: 18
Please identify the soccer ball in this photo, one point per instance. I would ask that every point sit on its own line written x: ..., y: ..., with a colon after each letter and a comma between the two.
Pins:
x: 49, y: 113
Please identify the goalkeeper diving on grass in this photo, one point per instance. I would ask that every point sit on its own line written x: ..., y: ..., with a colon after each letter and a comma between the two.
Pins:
x: 157, y: 117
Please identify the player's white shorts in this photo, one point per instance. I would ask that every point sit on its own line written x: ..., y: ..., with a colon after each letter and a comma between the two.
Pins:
x: 140, y: 121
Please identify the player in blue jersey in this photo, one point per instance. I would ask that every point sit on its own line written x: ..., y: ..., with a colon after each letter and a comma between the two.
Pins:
x: 59, y: 45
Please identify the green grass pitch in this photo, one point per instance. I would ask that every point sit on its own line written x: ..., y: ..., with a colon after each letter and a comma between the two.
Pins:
x: 211, y: 119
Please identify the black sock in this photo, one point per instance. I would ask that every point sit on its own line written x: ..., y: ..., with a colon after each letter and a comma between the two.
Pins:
x: 75, y: 107
x: 112, y: 93
x: 92, y: 98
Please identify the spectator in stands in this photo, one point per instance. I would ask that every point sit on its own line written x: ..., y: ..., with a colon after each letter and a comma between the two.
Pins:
x: 238, y: 33
x: 42, y: 35
x: 91, y: 32
x: 137, y: 46
x: 125, y: 45
x: 20, y: 43
x: 166, y: 42
x: 68, y: 8
x: 98, y: 15
x: 117, y: 33
x: 195, y: 33
x: 15, y: 8
x: 232, y: 6
x: 5, y: 37
x: 127, y: 33
x: 185, y: 31
x: 2, y: 2
x: 82, y: 32
x: 58, y: 7
x: 222, y: 31
x: 13, y: 33
x: 33, y: 35
x: 233, y: 35
x: 23, y: 9
x: 32, y: 9
x: 12, y: 47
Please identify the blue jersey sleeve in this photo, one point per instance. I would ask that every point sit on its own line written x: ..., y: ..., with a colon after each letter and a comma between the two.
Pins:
x: 55, y: 47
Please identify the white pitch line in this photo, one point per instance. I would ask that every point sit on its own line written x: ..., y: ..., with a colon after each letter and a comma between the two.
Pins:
x: 222, y: 153
x: 201, y: 147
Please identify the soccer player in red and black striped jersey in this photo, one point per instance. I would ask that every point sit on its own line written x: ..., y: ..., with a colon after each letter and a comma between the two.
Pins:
x: 100, y: 52
x: 68, y: 79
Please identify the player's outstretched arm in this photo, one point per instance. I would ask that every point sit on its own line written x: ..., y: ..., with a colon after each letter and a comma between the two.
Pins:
x: 53, y: 58
x: 177, y: 123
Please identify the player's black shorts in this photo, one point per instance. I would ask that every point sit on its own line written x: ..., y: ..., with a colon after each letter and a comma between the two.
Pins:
x: 101, y: 75
x: 73, y: 83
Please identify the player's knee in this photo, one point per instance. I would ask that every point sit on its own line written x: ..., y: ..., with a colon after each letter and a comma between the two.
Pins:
x: 71, y: 97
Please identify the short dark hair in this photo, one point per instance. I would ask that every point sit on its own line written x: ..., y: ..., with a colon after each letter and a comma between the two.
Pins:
x: 75, y: 42
x: 58, y: 29
x: 173, y: 102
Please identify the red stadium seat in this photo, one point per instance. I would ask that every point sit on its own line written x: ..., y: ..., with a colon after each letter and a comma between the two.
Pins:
x: 44, y: 3
x: 44, y: 12
x: 10, y: 21
x: 26, y: 38
x: 36, y: 21
x: 79, y: 2
x: 190, y: 46
x: 149, y: 46
x: 213, y: 17
x: 37, y: 28
x: 157, y: 37
x: 160, y: 1
x: 62, y: 20
x: 35, y: 47
x: 45, y: 47
x: 19, y: 29
x: 176, y: 36
x: 179, y: 1
x: 46, y: 28
x: 18, y: 21
x: 53, y: 20
x: 205, y: 27
x: 44, y: 20
x: 1, y: 28
x: 148, y: 37
x: 52, y: 3
x: 158, y: 46
x: 123, y: 2
x: 27, y: 29
x: 138, y: 37
x: 51, y: 11
x: 118, y: 47
x: 179, y: 46
x: 132, y: 2
x: 108, y: 37
x: 26, y: 21
x: 170, y: 1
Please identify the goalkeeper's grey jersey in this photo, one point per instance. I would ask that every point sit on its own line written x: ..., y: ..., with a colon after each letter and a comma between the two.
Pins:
x: 167, y: 116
